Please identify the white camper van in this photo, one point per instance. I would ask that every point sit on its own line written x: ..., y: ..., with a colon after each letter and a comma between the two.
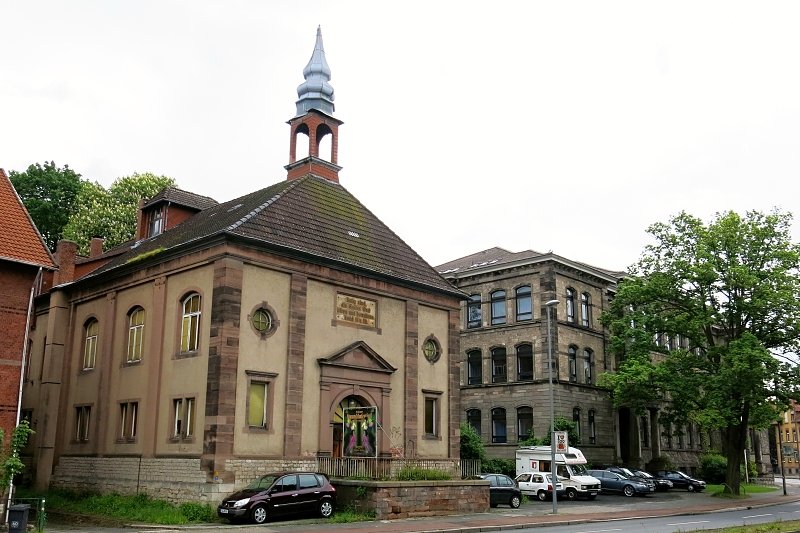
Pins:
x: 570, y: 468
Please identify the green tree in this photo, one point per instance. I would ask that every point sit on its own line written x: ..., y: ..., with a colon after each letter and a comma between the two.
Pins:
x: 111, y: 213
x: 703, y: 323
x: 471, y: 443
x: 10, y: 463
x: 49, y: 194
x: 561, y: 424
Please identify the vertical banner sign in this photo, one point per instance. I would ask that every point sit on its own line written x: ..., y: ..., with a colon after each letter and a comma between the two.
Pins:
x: 562, y: 443
x: 360, y: 432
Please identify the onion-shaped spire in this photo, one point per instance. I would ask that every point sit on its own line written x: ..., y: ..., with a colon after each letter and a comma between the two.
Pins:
x: 316, y: 92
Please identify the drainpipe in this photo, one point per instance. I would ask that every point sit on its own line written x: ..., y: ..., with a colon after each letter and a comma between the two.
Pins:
x: 22, y: 375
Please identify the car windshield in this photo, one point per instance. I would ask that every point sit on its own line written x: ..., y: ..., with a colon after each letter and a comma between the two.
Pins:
x: 643, y: 473
x: 627, y: 472
x: 262, y: 482
x: 579, y: 470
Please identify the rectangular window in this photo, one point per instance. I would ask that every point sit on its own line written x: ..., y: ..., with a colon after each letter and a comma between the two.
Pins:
x: 82, y: 415
x: 257, y: 404
x: 183, y: 418
x: 431, y: 414
x: 128, y: 414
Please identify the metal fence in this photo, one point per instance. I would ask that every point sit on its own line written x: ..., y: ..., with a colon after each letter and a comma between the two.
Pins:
x: 36, y: 515
x: 389, y: 467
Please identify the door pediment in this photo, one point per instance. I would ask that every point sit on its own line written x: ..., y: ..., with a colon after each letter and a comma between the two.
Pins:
x: 357, y: 356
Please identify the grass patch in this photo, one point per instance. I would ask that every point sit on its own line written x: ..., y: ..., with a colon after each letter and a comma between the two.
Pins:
x: 347, y: 515
x: 139, y: 508
x: 413, y: 473
x: 774, y: 527
x: 745, y: 490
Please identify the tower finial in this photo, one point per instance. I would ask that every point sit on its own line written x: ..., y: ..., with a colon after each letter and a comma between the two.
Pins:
x: 316, y: 92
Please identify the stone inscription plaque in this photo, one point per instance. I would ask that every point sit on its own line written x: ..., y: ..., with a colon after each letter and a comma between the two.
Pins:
x: 355, y: 310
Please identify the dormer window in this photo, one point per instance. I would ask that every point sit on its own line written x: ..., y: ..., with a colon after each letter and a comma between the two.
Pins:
x: 156, y: 222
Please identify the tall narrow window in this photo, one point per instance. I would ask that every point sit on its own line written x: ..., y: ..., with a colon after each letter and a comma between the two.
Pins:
x: 592, y: 427
x: 585, y: 309
x: 90, y: 344
x: 190, y: 326
x: 588, y: 366
x: 156, y: 222
x: 431, y: 416
x: 690, y: 435
x: 499, y: 425
x: 474, y: 311
x: 524, y: 423
x: 82, y: 415
x: 474, y: 419
x: 499, y: 365
x: 474, y: 368
x: 183, y: 418
x: 524, y: 305
x: 644, y: 431
x: 128, y: 414
x: 570, y: 301
x: 572, y: 356
x: 576, y: 418
x: 257, y: 405
x: 525, y: 362
x: 135, y: 334
x: 498, y: 307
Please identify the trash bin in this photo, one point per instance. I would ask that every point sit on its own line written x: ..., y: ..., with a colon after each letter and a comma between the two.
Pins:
x: 18, y: 518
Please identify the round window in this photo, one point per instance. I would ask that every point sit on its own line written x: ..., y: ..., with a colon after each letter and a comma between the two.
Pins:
x: 431, y: 350
x: 262, y: 320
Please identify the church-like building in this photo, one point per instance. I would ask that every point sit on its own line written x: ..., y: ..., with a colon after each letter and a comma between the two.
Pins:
x: 230, y: 339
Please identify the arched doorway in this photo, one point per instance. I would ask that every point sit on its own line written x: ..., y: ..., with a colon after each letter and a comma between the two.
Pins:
x: 337, y: 421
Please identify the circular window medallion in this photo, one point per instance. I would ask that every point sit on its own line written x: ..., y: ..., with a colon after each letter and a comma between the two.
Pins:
x: 262, y: 320
x: 431, y: 350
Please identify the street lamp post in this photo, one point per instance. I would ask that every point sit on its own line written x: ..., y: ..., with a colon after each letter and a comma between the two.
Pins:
x: 550, y: 304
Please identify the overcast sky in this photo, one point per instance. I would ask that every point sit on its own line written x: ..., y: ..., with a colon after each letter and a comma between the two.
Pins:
x: 563, y: 126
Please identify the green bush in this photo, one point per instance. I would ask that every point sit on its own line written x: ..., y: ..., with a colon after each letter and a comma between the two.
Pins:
x: 471, y: 443
x: 712, y: 468
x: 500, y: 466
x: 198, y: 512
x: 414, y: 473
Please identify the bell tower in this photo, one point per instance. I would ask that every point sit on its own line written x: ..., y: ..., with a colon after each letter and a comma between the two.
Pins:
x: 315, y: 119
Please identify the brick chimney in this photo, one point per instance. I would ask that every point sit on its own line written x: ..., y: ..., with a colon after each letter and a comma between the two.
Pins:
x: 96, y: 247
x: 66, y: 252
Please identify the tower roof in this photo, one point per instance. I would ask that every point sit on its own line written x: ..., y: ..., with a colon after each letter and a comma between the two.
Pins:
x: 316, y: 92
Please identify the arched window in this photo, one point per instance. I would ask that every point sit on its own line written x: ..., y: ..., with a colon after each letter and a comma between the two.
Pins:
x: 474, y: 311
x: 474, y: 368
x: 524, y: 305
x: 576, y: 417
x: 135, y: 334
x: 90, y: 330
x: 570, y: 301
x: 588, y: 366
x: 499, y: 365
x: 474, y: 419
x: 498, y: 307
x: 190, y: 325
x: 499, y: 425
x: 525, y: 362
x: 572, y: 356
x: 585, y: 309
x: 524, y: 423
x: 592, y: 428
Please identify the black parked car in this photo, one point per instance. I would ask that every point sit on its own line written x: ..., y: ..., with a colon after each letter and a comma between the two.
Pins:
x: 681, y: 480
x: 662, y: 484
x: 614, y: 482
x: 502, y: 489
x: 280, y: 493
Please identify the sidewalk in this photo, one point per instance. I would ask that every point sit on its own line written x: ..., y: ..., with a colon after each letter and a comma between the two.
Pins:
x: 530, y: 514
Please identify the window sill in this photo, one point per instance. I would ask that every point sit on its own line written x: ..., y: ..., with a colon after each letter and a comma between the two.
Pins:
x: 187, y: 355
x: 135, y: 362
x: 428, y: 436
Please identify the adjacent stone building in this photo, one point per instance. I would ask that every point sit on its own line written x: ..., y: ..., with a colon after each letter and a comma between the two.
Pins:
x: 229, y: 338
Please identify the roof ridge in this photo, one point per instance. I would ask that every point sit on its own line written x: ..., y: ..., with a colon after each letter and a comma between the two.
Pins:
x: 263, y: 206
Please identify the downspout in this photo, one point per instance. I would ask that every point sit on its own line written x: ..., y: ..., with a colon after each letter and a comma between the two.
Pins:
x: 36, y: 282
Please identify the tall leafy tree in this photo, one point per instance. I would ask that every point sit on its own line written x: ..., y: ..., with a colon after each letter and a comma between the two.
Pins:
x: 704, y: 324
x: 111, y: 214
x: 49, y: 194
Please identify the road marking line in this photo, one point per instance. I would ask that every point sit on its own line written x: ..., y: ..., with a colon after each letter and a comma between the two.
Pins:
x: 688, y: 523
x: 757, y: 515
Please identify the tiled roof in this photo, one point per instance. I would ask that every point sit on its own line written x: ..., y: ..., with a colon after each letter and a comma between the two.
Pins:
x: 313, y: 217
x: 21, y: 242
x: 181, y: 197
x: 500, y: 257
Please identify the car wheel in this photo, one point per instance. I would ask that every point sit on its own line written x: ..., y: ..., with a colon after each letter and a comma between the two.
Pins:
x: 572, y: 494
x: 542, y: 495
x: 628, y: 491
x: 514, y: 501
x: 259, y: 513
x: 325, y: 508
x: 690, y: 488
